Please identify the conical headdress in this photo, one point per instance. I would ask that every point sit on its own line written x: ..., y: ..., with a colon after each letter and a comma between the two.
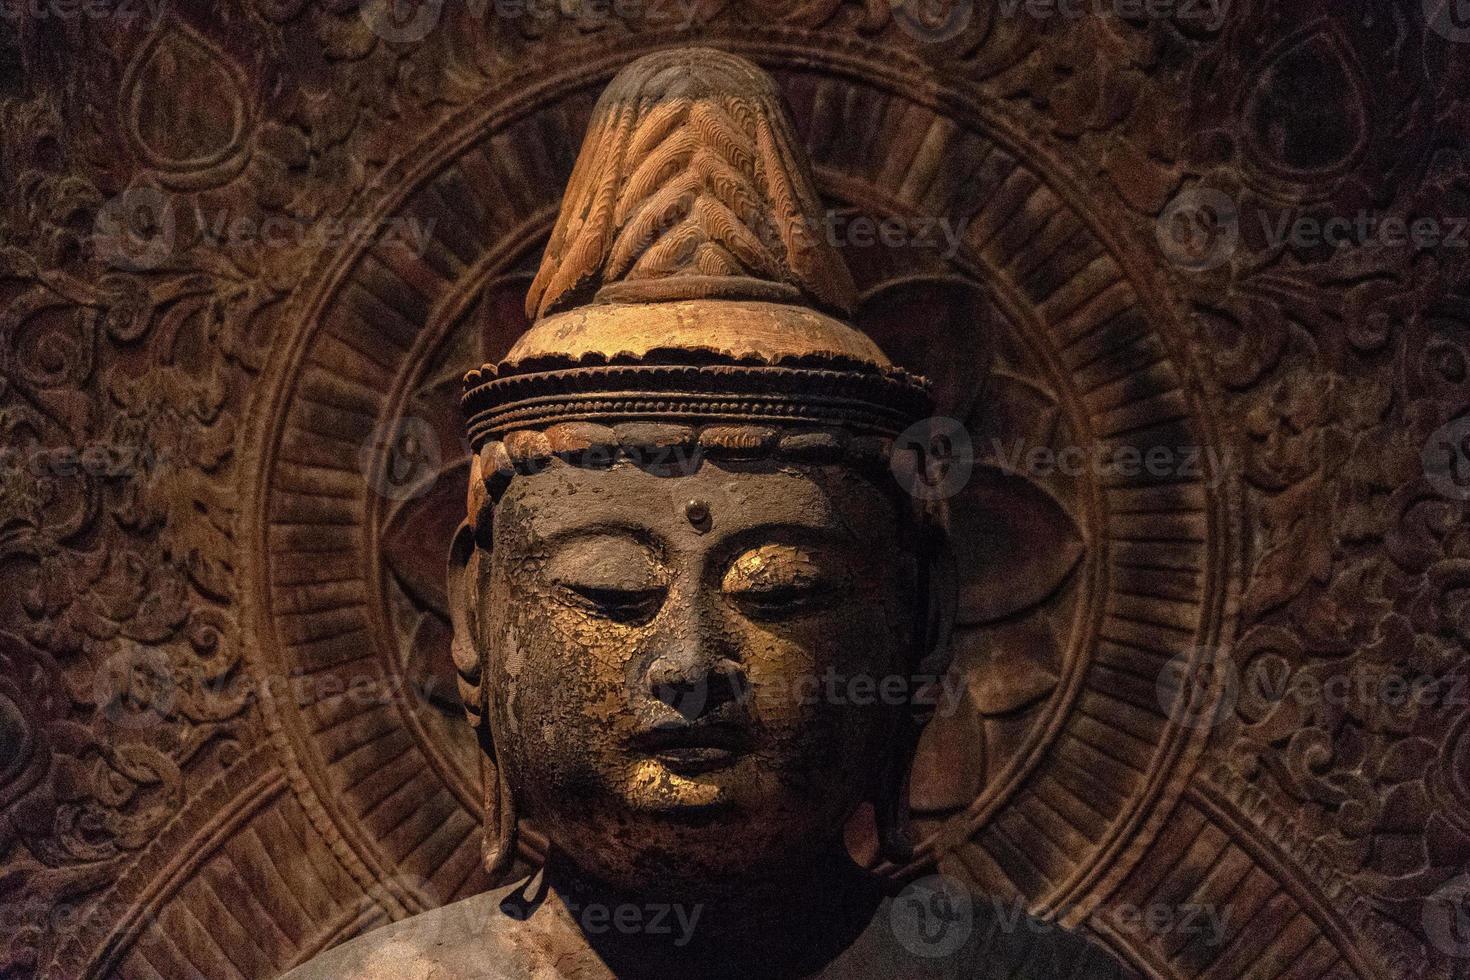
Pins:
x: 688, y: 280
x: 690, y: 185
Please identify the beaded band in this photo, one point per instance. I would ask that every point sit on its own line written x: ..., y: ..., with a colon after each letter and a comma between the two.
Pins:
x: 860, y: 399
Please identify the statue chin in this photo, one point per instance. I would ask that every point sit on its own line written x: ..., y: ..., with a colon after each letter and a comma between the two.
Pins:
x: 686, y: 855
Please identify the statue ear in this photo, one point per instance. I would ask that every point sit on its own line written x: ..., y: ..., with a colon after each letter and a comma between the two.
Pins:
x: 937, y: 595
x: 465, y: 555
x: 938, y: 591
x: 954, y: 353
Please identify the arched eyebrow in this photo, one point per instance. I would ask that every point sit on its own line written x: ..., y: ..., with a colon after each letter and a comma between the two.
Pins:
x: 639, y: 534
x: 785, y: 532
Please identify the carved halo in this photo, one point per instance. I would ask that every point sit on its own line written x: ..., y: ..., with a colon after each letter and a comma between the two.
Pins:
x: 1114, y: 577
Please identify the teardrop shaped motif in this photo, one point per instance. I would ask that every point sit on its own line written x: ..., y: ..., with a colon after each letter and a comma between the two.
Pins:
x: 199, y: 139
x: 1304, y: 116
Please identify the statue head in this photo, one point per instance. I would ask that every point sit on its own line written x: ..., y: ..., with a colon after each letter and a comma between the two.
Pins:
x: 691, y: 602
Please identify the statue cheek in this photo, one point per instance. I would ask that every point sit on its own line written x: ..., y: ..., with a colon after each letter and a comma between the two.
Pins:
x: 564, y: 675
x: 552, y: 636
x: 853, y: 639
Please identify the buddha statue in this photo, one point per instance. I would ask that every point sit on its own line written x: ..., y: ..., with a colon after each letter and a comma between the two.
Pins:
x: 683, y: 524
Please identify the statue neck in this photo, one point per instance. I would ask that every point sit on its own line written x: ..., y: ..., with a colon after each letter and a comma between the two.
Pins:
x: 795, y: 918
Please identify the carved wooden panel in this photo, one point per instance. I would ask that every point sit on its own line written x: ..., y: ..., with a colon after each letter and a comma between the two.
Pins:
x: 1210, y: 683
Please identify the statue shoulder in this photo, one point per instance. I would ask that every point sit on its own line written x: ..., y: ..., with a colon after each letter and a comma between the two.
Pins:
x: 471, y: 939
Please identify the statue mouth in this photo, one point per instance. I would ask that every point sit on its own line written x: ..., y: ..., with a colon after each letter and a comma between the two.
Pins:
x: 690, y: 749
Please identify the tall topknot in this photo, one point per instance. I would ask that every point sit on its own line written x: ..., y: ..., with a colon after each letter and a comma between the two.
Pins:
x: 686, y: 281
x: 690, y: 185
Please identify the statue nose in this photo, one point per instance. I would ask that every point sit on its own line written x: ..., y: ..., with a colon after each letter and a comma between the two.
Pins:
x: 696, y: 686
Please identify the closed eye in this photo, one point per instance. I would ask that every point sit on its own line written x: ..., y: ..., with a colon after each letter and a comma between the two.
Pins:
x: 775, y: 581
x: 779, y: 601
x: 619, y: 605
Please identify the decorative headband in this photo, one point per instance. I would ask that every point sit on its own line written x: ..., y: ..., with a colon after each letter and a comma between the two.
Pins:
x: 694, y: 388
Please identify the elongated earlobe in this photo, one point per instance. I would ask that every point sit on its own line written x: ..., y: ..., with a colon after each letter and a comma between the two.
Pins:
x: 936, y: 590
x: 894, y: 845
x: 464, y: 649
x: 498, y: 848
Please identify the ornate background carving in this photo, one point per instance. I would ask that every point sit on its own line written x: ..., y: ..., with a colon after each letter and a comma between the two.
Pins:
x: 246, y: 253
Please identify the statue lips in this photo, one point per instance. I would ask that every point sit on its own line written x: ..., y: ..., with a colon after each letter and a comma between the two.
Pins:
x: 692, y: 748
